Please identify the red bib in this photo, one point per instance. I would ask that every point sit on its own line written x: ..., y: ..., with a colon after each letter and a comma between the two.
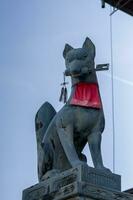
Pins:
x: 86, y: 94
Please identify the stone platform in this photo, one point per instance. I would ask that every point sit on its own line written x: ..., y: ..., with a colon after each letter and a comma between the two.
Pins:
x: 80, y: 183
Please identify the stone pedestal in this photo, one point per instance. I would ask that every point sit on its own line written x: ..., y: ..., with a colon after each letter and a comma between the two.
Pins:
x: 80, y: 183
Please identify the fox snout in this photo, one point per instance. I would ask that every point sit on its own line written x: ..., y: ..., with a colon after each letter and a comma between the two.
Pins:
x: 79, y: 71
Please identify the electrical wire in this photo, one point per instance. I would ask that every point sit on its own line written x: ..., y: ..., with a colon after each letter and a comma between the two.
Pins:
x: 112, y: 87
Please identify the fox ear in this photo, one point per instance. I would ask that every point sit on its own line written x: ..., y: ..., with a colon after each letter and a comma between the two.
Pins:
x: 67, y: 49
x: 88, y: 44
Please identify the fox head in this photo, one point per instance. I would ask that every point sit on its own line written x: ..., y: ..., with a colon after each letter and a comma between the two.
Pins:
x: 79, y: 61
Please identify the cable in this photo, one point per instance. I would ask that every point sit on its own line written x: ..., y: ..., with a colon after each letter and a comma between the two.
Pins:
x: 112, y: 85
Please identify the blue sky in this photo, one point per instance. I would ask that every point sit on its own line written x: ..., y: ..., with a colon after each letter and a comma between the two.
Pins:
x: 32, y: 37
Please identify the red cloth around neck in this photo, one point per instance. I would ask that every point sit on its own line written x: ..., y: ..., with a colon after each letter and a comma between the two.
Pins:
x: 86, y: 94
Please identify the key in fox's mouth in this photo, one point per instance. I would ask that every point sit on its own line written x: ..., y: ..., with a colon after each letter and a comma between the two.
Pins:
x: 75, y: 75
x: 78, y: 74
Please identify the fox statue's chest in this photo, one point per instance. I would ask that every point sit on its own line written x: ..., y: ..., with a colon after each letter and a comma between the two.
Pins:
x: 87, y: 118
x: 81, y: 118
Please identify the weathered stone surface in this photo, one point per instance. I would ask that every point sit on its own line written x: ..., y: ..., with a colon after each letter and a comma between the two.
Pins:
x: 61, y: 136
x: 81, y: 183
x: 75, y: 191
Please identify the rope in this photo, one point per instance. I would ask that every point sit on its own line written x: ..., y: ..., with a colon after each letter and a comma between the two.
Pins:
x: 112, y: 86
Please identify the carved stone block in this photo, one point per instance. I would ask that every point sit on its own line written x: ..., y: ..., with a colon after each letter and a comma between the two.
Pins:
x: 80, y: 183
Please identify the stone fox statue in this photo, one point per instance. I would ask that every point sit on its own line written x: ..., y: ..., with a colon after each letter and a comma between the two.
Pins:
x: 62, y: 136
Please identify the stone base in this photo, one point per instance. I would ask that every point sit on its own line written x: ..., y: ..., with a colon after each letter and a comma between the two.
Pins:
x: 80, y: 183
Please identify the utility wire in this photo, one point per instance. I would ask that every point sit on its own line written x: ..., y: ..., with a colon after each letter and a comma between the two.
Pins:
x: 112, y: 87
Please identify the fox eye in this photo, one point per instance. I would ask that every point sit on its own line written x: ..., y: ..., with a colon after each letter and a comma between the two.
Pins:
x: 82, y: 57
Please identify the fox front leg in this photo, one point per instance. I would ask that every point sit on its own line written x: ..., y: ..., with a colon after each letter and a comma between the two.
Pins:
x: 94, y: 141
x: 66, y: 139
